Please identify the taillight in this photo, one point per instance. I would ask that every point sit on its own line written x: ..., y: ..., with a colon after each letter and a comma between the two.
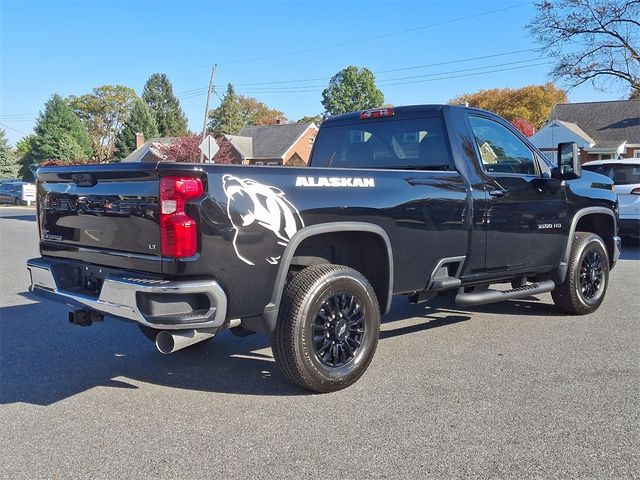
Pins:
x: 636, y: 191
x: 377, y: 113
x: 178, y: 231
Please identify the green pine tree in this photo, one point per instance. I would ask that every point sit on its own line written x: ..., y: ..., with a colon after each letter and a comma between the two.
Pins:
x: 227, y: 118
x: 141, y: 120
x: 8, y: 165
x: 60, y: 134
x: 158, y: 94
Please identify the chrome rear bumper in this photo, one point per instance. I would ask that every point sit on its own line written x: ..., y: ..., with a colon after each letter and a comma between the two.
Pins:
x: 124, y: 296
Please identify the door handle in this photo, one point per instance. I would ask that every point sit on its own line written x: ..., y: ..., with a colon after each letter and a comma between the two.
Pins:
x: 497, y: 193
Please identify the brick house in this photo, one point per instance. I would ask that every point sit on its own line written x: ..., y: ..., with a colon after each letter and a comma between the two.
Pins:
x: 602, y: 130
x: 288, y: 145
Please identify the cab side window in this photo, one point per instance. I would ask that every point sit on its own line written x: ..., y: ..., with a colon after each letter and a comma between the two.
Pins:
x: 500, y: 149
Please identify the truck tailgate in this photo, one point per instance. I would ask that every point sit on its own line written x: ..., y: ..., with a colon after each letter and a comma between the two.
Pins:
x: 100, y: 208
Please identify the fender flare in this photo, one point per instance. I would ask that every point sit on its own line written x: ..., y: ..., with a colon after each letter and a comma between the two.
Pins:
x: 270, y: 314
x: 563, y: 267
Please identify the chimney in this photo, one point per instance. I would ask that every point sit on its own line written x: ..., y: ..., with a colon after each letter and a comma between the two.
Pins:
x: 139, y: 140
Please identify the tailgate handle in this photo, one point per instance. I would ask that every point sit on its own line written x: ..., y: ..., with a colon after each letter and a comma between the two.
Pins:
x: 84, y: 179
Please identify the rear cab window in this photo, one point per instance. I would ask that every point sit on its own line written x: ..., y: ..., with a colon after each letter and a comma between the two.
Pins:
x: 407, y: 144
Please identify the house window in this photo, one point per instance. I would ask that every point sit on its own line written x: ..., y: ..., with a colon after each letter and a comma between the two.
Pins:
x: 273, y: 164
x: 605, y: 156
x: 636, y: 154
x: 259, y: 163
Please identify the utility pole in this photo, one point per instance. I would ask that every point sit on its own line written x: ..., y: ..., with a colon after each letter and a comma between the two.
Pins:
x: 206, y: 108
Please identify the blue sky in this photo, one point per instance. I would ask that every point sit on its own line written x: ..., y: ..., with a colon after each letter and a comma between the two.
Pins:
x: 420, y: 50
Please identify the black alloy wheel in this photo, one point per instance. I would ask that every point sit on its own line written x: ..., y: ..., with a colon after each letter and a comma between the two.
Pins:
x: 338, y: 330
x: 590, y: 274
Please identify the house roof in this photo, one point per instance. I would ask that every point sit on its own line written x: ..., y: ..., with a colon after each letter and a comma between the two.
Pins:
x: 149, y: 151
x: 272, y: 141
x: 244, y: 145
x: 607, y: 123
x: 577, y: 130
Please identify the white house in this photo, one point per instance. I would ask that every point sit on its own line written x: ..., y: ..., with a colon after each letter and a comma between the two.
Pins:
x: 601, y: 130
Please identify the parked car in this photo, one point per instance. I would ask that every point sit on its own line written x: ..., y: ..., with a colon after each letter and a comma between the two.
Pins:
x: 11, y: 192
x: 412, y: 201
x: 8, y: 180
x: 625, y: 174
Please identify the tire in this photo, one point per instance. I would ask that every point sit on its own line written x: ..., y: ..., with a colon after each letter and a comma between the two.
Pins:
x: 17, y: 202
x: 311, y: 315
x: 587, y: 279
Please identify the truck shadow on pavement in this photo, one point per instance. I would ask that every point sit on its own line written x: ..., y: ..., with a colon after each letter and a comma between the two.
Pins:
x: 44, y: 360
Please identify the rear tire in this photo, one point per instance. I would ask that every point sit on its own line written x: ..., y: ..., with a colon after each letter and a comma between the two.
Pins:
x: 587, y: 279
x: 327, y: 328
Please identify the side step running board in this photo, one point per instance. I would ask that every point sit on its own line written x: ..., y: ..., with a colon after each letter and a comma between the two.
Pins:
x: 491, y: 296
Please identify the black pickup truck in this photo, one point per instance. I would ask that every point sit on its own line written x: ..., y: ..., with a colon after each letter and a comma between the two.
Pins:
x: 411, y: 201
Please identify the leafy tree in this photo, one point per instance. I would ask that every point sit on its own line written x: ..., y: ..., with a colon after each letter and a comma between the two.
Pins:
x: 24, y: 151
x: 350, y: 90
x: 60, y: 134
x: 226, y: 153
x: 158, y: 94
x: 532, y: 103
x: 236, y: 111
x: 141, y: 120
x: 8, y: 166
x: 524, y: 126
x: 182, y: 149
x: 255, y: 112
x: 592, y: 40
x: 317, y: 119
x: 103, y: 111
x: 228, y: 117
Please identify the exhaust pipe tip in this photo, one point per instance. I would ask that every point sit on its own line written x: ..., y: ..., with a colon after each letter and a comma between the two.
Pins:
x: 171, y: 341
x: 165, y: 343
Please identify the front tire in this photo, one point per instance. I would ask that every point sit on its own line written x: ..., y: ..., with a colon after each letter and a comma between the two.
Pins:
x: 327, y: 328
x: 585, y: 285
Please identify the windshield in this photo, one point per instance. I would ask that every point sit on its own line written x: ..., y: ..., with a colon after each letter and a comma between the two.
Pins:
x: 416, y: 144
x: 621, y: 174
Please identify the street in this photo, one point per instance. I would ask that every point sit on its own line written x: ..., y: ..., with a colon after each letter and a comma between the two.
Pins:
x: 511, y: 390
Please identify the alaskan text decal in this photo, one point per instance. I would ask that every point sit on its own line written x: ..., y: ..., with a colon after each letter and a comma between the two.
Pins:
x: 264, y: 220
x: 356, y: 182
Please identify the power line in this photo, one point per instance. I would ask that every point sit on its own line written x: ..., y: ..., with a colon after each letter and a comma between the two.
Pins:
x: 315, y: 49
x: 397, y: 80
x: 14, y: 129
x: 376, y: 37
x: 198, y: 91
x: 423, y: 80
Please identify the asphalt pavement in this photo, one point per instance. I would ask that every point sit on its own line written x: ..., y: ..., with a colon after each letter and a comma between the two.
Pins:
x: 512, y: 390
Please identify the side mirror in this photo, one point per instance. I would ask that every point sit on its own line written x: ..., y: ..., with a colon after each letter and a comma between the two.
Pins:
x: 569, y: 166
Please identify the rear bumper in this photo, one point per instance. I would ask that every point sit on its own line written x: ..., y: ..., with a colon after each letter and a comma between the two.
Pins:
x: 155, y: 303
